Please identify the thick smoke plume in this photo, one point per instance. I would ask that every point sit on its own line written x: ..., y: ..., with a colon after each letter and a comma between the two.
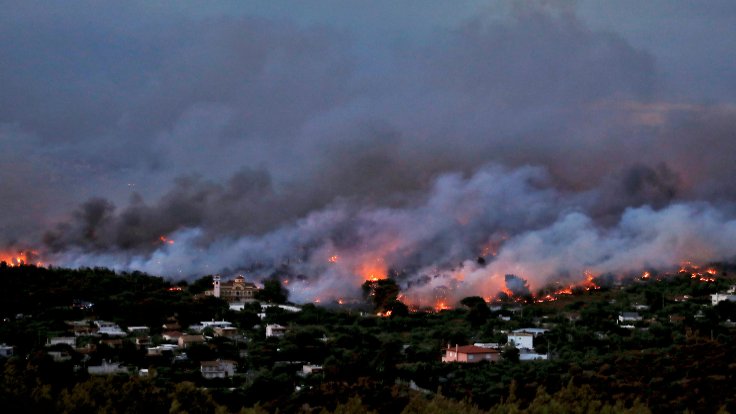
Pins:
x: 548, y: 138
x: 517, y: 220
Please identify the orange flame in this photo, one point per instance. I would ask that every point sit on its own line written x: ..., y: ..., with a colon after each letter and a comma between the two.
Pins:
x: 440, y: 306
x: 20, y: 258
x: 374, y: 270
x: 165, y: 240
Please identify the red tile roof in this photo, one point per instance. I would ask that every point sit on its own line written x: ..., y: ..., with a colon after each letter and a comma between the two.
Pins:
x: 472, y: 349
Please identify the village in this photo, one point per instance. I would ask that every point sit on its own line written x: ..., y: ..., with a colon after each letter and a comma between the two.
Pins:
x: 241, y: 340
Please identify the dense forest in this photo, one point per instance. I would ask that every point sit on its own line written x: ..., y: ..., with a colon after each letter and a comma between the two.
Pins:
x: 679, y: 357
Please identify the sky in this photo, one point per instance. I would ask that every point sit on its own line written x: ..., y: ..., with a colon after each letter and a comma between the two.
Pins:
x: 411, y: 136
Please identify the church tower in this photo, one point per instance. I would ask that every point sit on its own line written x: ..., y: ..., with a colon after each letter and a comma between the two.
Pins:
x: 216, y: 282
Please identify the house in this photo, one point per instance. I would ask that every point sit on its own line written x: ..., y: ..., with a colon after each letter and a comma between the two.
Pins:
x: 309, y: 369
x: 529, y: 355
x: 627, y: 318
x: 470, y: 354
x: 275, y: 330
x: 109, y: 329
x: 6, y: 351
x: 226, y: 332
x: 106, y: 368
x: 171, y: 336
x: 159, y: 350
x: 62, y: 340
x: 521, y: 340
x: 143, y: 330
x: 59, y: 356
x: 185, y: 341
x: 533, y: 331
x: 720, y: 297
x: 212, y: 324
x: 217, y: 369
x: 236, y: 290
x: 81, y: 328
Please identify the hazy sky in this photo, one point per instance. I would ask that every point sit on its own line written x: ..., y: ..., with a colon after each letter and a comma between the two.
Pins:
x: 123, y: 121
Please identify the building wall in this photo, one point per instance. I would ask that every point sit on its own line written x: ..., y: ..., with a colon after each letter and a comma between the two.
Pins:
x: 522, y: 340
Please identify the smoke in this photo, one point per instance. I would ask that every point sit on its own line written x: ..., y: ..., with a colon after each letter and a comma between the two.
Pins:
x: 334, y: 150
x: 517, y: 286
x: 517, y: 219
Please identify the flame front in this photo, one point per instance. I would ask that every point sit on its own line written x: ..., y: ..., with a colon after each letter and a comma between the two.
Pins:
x: 21, y: 258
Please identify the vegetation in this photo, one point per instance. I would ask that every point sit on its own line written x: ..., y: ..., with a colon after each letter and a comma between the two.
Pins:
x: 679, y: 357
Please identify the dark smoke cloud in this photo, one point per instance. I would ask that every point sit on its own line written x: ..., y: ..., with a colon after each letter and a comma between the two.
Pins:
x: 255, y: 138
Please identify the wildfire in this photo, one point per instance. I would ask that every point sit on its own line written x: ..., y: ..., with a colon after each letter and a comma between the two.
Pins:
x: 20, y: 258
x: 384, y: 314
x: 373, y: 271
x: 317, y: 300
x: 440, y: 306
x: 333, y: 259
x: 697, y: 274
x: 165, y: 240
x: 589, y: 282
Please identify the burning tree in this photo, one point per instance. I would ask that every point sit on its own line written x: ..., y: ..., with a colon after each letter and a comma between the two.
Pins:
x: 382, y: 294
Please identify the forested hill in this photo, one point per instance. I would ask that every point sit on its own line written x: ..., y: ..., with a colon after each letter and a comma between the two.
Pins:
x: 679, y: 355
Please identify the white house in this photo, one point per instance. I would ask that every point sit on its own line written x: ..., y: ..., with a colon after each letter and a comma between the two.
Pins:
x: 522, y: 340
x: 309, y: 369
x: 275, y: 330
x: 529, y: 355
x: 109, y: 329
x: 139, y: 329
x: 6, y: 351
x: 65, y: 340
x: 533, y: 331
x: 106, y: 369
x: 218, y: 369
x: 720, y: 297
x: 624, y: 317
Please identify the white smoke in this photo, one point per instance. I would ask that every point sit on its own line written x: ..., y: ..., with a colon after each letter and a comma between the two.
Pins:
x: 539, y: 233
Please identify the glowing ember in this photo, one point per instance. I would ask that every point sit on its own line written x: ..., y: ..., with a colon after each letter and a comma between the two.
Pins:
x: 165, y: 240
x: 589, y: 282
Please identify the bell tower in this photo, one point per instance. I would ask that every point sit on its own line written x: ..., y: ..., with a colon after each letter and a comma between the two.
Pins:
x: 216, y: 283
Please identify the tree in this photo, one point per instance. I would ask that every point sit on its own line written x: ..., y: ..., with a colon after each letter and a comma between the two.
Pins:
x: 510, y: 353
x: 202, y: 284
x: 273, y: 291
x: 381, y: 293
x: 479, y: 311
